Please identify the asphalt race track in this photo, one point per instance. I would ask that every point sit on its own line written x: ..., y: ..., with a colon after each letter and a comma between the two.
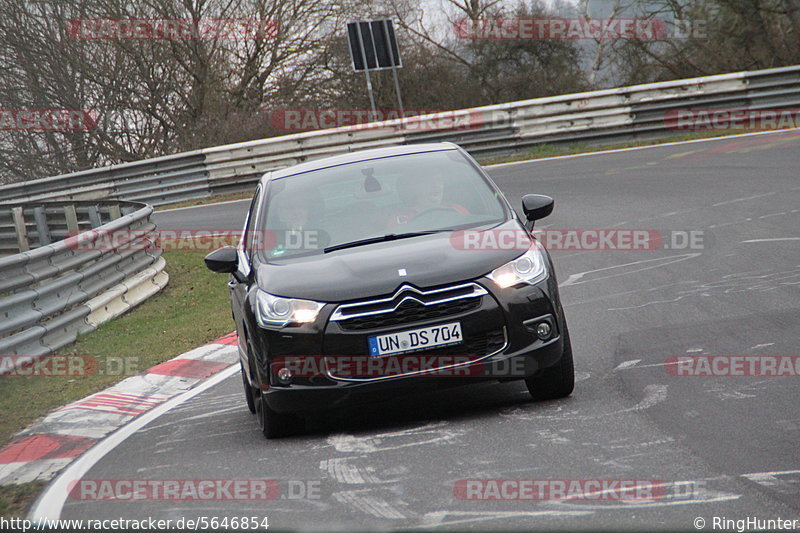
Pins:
x: 718, y: 446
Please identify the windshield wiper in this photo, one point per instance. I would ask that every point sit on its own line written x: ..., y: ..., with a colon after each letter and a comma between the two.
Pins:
x: 383, y: 238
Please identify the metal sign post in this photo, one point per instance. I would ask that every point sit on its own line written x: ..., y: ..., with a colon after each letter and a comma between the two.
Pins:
x: 390, y: 36
x: 373, y: 47
x: 362, y: 50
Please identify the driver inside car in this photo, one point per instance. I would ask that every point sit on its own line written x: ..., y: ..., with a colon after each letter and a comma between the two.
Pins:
x: 294, y: 223
x: 420, y: 194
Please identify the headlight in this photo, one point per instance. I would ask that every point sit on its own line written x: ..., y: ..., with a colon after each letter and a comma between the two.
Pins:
x: 274, y: 311
x: 528, y: 268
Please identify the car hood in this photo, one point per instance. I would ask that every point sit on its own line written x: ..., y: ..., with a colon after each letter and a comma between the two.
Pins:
x: 373, y: 269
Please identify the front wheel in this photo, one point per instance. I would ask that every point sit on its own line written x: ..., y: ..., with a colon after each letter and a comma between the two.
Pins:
x: 557, y: 381
x: 272, y: 423
x: 248, y: 390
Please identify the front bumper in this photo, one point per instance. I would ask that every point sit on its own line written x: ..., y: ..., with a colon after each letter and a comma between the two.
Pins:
x: 497, y: 345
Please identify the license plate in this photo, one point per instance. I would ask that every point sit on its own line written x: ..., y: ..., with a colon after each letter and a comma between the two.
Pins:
x: 415, y: 339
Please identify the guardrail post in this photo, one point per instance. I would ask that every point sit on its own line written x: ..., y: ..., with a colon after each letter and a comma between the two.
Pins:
x: 114, y: 212
x: 47, y: 296
x: 40, y: 216
x: 94, y: 216
x: 19, y: 226
x: 72, y: 219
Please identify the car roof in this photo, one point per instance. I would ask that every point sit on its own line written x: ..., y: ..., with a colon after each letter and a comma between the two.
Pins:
x: 354, y: 157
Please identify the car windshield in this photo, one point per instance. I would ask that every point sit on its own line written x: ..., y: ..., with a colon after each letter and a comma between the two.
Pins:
x: 333, y: 208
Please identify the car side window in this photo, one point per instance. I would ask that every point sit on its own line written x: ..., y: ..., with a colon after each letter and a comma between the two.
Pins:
x: 250, y: 231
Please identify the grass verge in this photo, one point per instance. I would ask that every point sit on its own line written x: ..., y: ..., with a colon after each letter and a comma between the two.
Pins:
x: 191, y: 310
x: 245, y: 195
x: 15, y: 499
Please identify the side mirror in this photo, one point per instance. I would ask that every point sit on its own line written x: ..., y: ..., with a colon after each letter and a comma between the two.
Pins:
x: 224, y: 261
x: 536, y: 206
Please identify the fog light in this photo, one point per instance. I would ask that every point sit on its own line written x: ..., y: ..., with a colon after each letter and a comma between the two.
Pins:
x: 543, y: 330
x: 285, y: 375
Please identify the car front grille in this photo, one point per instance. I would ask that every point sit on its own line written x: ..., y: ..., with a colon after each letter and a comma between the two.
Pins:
x: 408, y: 312
x: 407, y: 305
x: 475, y: 346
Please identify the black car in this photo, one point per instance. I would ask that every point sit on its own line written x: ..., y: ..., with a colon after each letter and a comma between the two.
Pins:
x: 376, y: 273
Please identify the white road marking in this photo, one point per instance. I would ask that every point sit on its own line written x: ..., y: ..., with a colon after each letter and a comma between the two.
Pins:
x: 715, y: 497
x: 381, y: 442
x: 664, y: 261
x: 634, y: 148
x: 637, y: 367
x: 554, y: 436
x: 653, y: 395
x: 776, y: 239
x: 774, y: 482
x: 627, y: 364
x: 688, y: 283
x: 679, y: 298
x: 638, y: 444
x: 437, y: 518
x: 730, y: 283
x: 51, y: 502
x: 343, y: 470
x: 757, y: 346
x: 736, y: 200
x: 369, y: 503
x: 763, y: 475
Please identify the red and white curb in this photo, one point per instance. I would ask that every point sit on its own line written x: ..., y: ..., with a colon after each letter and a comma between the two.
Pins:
x: 39, y: 452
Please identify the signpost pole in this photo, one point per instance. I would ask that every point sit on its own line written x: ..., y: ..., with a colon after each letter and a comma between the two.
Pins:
x: 394, y: 69
x: 366, y: 70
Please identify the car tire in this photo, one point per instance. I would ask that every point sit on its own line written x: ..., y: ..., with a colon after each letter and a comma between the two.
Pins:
x: 557, y: 381
x: 273, y: 424
x: 248, y: 390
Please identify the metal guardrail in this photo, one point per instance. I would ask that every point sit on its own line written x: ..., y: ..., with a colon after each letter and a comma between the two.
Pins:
x: 63, y: 281
x: 613, y: 115
x: 23, y: 227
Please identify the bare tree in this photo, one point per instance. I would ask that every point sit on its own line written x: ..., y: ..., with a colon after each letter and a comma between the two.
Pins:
x: 150, y: 96
x: 712, y: 36
x: 502, y: 69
